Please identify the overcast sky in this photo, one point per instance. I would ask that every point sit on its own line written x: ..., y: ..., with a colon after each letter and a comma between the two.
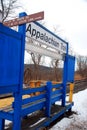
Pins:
x: 70, y: 15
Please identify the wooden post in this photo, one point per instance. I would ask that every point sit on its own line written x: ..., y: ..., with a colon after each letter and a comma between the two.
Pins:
x: 32, y: 85
x: 2, y: 123
x: 38, y: 85
x: 18, y: 95
x: 65, y: 77
x: 71, y: 92
x: 48, y: 98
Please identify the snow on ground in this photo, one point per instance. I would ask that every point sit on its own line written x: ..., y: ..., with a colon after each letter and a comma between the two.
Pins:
x: 76, y: 121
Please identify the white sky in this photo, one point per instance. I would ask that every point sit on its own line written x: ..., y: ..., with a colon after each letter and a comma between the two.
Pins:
x: 70, y: 15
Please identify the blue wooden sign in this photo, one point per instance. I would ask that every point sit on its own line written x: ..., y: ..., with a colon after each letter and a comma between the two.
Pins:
x: 70, y: 68
x: 10, y: 58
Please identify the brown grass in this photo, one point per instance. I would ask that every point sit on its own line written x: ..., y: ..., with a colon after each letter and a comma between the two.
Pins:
x: 8, y: 101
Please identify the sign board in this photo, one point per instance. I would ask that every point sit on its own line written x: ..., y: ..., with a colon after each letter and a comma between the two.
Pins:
x: 39, y: 33
x: 43, y: 51
x: 26, y: 19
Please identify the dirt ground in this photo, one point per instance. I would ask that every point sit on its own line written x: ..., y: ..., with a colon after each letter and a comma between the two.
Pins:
x: 76, y: 125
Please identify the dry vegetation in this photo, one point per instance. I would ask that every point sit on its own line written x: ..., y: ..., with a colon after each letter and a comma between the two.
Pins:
x: 8, y: 101
x: 82, y: 66
x: 43, y: 73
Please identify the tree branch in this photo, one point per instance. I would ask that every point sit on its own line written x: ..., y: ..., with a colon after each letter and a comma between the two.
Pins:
x: 2, y: 6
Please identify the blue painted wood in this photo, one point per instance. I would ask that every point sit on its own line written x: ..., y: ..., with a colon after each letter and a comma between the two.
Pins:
x: 57, y: 85
x: 33, y: 90
x: 65, y: 77
x: 10, y: 48
x: 56, y: 92
x: 18, y: 96
x: 4, y: 30
x: 33, y: 99
x: 8, y: 89
x: 71, y: 69
x: 33, y: 108
x: 56, y: 98
x: 6, y: 115
x: 64, y: 82
x: 2, y: 122
x: 48, y: 98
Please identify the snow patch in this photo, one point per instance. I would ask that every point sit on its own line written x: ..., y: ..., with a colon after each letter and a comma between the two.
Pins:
x: 76, y: 121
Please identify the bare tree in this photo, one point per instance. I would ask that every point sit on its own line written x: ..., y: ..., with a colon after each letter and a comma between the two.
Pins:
x: 27, y: 75
x: 8, y: 8
x: 55, y: 62
x: 82, y: 65
x: 56, y: 70
x: 57, y: 29
x: 36, y: 58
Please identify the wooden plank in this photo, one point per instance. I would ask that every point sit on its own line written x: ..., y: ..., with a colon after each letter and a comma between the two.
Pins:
x: 25, y: 19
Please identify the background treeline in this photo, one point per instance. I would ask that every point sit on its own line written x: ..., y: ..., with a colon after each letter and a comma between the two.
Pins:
x: 41, y: 73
